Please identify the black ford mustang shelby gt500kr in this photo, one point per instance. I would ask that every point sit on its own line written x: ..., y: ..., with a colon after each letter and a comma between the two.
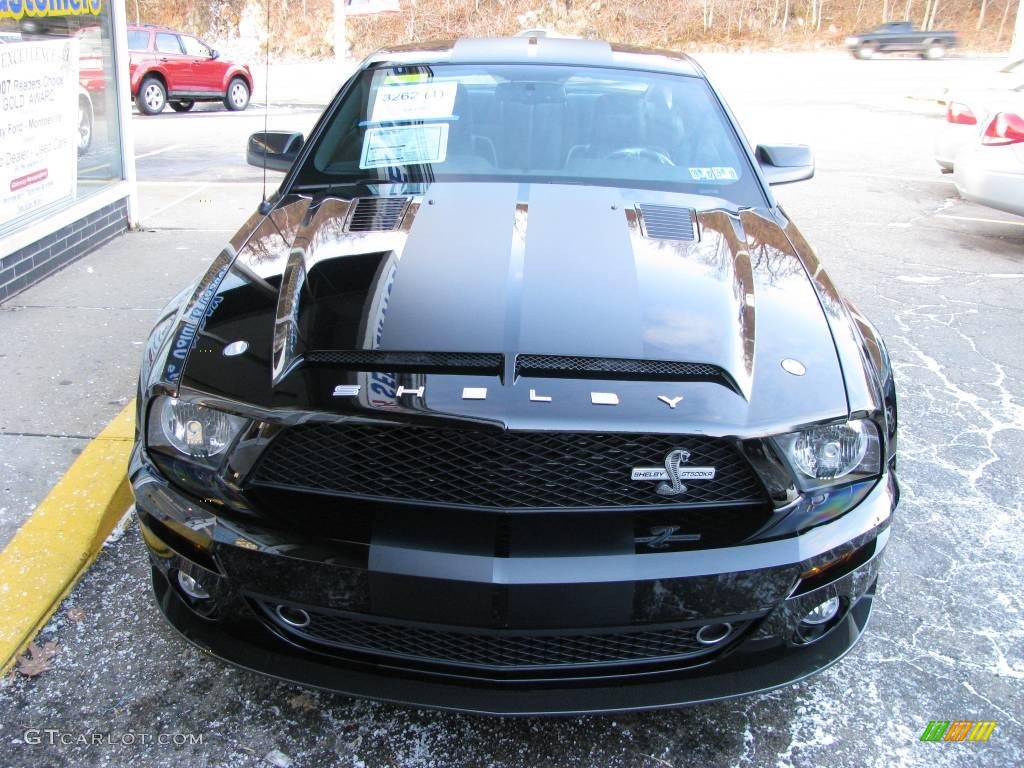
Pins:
x: 521, y: 395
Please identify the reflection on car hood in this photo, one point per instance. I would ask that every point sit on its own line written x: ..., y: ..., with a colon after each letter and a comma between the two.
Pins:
x: 506, y: 270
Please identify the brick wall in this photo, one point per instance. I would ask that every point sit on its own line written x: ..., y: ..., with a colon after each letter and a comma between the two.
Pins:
x: 32, y: 263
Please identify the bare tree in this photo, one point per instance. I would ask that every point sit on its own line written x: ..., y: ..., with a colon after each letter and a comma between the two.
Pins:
x: 1017, y: 45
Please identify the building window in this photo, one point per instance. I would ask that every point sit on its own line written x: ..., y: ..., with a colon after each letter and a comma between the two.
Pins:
x: 60, y: 138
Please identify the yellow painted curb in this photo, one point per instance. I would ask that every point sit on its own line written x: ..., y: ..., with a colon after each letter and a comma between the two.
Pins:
x: 51, y: 551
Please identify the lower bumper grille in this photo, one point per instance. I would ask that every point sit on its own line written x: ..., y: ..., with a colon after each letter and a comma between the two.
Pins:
x: 500, y: 650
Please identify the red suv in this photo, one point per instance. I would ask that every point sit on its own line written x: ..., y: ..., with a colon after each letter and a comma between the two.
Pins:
x: 175, y: 68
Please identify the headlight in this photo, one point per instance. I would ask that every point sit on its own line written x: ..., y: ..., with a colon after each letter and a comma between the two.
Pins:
x: 195, y: 431
x: 825, y: 454
x: 852, y: 40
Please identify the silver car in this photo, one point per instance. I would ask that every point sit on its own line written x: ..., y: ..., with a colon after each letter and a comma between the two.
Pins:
x: 967, y: 102
x: 989, y: 169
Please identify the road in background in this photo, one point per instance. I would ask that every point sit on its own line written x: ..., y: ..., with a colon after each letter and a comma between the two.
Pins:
x: 943, y: 280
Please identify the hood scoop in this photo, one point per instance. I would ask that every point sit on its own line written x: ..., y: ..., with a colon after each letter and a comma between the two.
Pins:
x: 377, y: 214
x: 667, y: 222
x: 567, y: 367
x: 408, y: 362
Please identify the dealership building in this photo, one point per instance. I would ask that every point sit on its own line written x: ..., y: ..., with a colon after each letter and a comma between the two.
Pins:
x: 67, y: 173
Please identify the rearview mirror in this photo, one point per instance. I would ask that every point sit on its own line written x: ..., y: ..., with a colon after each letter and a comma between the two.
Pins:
x: 275, y: 150
x: 214, y: 53
x: 785, y: 163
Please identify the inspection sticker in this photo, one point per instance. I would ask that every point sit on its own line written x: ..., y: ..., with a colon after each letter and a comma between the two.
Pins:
x: 414, y: 101
x: 717, y: 173
x: 405, y: 145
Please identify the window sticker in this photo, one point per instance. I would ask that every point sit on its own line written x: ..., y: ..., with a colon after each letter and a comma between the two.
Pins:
x: 717, y: 173
x: 413, y: 101
x: 393, y: 78
x: 404, y: 145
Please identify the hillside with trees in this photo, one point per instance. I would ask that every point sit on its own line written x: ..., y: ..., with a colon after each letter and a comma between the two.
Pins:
x: 303, y: 28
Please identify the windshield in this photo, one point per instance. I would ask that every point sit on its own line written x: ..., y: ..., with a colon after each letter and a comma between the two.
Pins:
x: 533, y: 123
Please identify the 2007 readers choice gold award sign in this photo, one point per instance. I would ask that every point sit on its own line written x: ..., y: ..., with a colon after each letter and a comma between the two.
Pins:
x: 38, y: 125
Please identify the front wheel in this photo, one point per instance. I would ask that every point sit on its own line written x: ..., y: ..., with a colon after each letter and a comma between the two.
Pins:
x: 184, y: 105
x: 152, y: 97
x: 237, y: 97
x: 865, y: 51
x: 934, y: 51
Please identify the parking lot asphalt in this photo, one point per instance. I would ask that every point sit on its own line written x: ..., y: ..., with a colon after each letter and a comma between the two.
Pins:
x: 943, y: 281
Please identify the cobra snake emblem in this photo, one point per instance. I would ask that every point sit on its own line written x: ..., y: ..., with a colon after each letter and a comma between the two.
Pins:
x: 673, y: 462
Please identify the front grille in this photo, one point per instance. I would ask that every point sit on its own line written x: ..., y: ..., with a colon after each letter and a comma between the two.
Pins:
x: 499, y: 649
x: 416, y: 362
x: 566, y: 366
x: 504, y: 470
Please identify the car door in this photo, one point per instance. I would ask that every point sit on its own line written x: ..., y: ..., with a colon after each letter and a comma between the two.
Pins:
x: 207, y: 72
x: 175, y: 63
x: 906, y: 38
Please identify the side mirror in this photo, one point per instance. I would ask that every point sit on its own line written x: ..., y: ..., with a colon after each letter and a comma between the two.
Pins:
x: 214, y: 54
x: 785, y: 163
x: 276, y: 150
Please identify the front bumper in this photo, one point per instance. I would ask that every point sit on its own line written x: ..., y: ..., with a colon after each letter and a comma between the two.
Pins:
x: 422, y: 595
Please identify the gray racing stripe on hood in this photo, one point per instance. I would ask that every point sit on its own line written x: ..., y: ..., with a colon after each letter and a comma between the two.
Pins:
x: 451, y: 288
x: 580, y: 293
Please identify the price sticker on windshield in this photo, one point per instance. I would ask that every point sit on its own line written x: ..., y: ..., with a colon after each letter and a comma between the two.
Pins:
x: 414, y: 101
x: 404, y: 145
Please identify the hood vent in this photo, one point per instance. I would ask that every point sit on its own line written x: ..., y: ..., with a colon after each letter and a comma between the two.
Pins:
x: 565, y: 367
x: 667, y: 222
x: 377, y: 214
x: 409, y: 362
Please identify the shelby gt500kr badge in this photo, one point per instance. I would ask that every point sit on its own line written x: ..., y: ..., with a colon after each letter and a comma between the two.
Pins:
x: 674, y: 472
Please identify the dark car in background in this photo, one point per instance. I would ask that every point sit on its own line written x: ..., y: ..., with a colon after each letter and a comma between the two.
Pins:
x: 902, y: 37
x: 521, y: 395
x: 169, y: 67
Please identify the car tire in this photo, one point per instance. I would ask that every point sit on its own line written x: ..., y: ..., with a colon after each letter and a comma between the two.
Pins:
x: 182, y: 105
x: 865, y: 51
x: 85, y: 123
x: 152, y: 97
x: 237, y: 97
x: 933, y: 51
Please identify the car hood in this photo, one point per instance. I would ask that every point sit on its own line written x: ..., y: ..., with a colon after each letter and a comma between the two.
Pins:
x: 606, y: 290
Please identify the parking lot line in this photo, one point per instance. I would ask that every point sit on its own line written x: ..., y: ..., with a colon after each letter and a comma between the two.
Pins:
x: 983, y: 221
x: 159, y: 151
x: 176, y: 201
x: 925, y: 179
x: 55, y: 546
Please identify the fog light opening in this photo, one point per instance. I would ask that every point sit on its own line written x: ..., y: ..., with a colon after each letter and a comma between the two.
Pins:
x: 713, y: 634
x: 192, y: 587
x: 293, y: 617
x: 822, y: 613
x: 819, y: 621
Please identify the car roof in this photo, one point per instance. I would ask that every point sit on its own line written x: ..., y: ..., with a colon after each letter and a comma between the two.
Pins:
x: 151, y: 28
x: 537, y: 50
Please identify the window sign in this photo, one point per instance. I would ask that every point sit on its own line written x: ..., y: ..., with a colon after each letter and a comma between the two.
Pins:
x: 38, y: 125
x: 17, y: 9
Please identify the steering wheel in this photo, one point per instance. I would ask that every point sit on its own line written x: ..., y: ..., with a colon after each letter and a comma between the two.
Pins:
x: 645, y: 152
